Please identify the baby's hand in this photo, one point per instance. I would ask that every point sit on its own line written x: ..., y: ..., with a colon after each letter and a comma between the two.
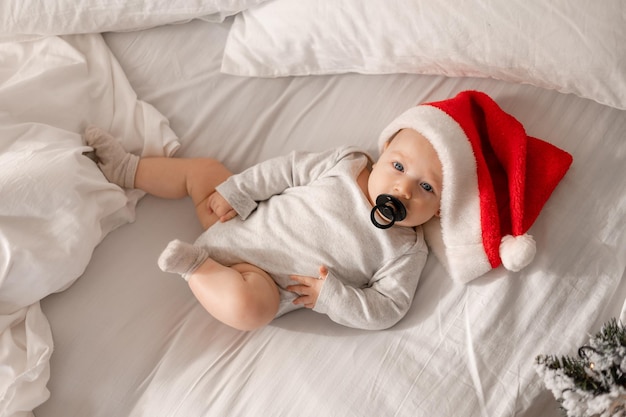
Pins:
x: 309, y: 288
x: 218, y: 205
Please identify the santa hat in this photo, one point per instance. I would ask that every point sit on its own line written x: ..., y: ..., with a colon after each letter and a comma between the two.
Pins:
x: 496, y: 179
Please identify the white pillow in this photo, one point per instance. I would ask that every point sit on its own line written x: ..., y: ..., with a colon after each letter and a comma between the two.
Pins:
x: 60, y: 17
x: 573, y: 46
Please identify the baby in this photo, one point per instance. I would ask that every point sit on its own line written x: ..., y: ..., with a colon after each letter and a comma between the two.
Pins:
x: 338, y: 234
x: 328, y: 231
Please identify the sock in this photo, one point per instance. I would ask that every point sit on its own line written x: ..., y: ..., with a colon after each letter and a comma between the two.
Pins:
x: 117, y: 165
x: 182, y: 258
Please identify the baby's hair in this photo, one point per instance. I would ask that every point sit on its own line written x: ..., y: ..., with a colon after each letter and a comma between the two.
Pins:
x: 388, y: 141
x: 393, y: 136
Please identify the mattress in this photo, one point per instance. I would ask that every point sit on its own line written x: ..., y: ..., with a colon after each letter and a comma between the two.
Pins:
x: 142, y: 345
x: 131, y: 340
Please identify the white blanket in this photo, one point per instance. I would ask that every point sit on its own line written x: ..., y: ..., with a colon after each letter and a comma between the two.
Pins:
x: 55, y: 205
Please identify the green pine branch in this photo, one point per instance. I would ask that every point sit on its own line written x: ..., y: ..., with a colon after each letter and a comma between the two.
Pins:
x: 598, y: 366
x: 575, y: 369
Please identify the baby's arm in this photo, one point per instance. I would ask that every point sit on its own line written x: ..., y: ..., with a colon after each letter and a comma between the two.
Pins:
x: 380, y: 305
x: 271, y: 177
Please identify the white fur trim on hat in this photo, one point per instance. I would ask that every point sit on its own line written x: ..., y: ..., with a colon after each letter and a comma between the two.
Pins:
x: 456, y: 237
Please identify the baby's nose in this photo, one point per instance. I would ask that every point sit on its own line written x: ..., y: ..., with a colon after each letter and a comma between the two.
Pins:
x: 403, y: 190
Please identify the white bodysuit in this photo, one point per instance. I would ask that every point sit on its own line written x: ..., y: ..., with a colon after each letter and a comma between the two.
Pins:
x: 303, y: 210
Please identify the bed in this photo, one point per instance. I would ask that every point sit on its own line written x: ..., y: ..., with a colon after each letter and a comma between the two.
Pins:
x: 91, y: 327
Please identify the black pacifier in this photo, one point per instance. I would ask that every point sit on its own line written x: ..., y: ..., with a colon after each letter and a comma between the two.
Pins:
x: 390, y: 208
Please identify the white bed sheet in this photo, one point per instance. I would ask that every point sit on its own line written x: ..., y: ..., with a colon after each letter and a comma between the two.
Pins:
x: 131, y: 340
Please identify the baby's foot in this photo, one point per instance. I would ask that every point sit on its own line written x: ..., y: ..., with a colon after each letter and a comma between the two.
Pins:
x: 182, y: 258
x: 117, y: 165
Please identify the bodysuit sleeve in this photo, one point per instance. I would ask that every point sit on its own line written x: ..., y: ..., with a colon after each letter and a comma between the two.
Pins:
x: 381, y: 304
x: 260, y: 182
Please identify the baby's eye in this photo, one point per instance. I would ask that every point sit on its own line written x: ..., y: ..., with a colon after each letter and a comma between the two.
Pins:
x: 426, y: 186
x: 398, y: 166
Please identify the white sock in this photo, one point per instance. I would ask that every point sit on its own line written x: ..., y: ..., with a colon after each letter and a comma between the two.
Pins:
x: 117, y: 165
x: 182, y: 258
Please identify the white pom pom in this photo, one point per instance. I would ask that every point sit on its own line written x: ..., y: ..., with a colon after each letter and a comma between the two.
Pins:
x: 517, y: 251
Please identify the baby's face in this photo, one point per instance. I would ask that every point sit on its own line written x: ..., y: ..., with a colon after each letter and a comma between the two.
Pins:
x: 409, y: 169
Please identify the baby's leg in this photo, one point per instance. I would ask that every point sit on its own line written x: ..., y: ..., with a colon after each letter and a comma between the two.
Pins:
x: 159, y: 176
x: 242, y: 296
x: 181, y: 177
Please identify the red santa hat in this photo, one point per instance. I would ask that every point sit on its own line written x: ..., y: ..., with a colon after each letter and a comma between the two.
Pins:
x: 496, y: 179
